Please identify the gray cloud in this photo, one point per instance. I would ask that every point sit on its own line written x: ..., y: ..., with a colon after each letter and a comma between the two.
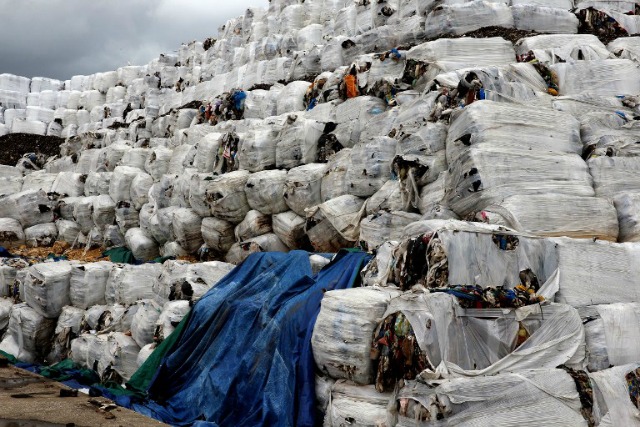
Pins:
x: 61, y: 38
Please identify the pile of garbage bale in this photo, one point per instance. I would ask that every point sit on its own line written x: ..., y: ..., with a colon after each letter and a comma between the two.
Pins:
x: 486, y: 152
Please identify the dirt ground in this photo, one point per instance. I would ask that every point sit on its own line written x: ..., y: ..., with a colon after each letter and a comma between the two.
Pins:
x: 25, y: 396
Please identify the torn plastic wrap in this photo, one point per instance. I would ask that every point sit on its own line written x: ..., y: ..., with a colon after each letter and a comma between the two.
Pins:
x: 11, y: 232
x: 67, y: 328
x: 172, y: 314
x: 343, y: 332
x: 29, y: 207
x: 269, y: 242
x: 542, y: 397
x: 495, y: 341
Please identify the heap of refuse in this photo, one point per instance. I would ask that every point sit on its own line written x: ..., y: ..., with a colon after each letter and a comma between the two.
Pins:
x: 483, y: 151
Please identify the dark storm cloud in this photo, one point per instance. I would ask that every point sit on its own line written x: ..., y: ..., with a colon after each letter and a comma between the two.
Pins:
x: 61, y: 38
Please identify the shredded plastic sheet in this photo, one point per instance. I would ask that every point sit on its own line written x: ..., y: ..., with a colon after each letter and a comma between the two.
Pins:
x: 490, y: 344
x: 541, y: 397
x: 556, y: 215
x: 553, y: 48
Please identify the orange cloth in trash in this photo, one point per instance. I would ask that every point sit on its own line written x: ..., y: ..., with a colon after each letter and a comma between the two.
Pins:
x: 351, y: 82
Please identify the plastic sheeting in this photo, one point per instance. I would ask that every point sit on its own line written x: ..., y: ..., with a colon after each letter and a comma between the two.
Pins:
x: 457, y: 19
x: 610, y: 77
x: 554, y: 48
x: 47, y: 288
x: 265, y: 191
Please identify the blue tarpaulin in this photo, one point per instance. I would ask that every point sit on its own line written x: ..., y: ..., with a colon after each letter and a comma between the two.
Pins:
x: 244, y: 357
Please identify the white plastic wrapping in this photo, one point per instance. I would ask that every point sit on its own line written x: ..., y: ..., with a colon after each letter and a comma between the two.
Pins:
x: 608, y: 77
x: 356, y: 405
x: 41, y: 235
x: 556, y: 215
x: 121, y: 181
x: 131, y: 283
x: 29, y: 334
x: 141, y: 244
x: 302, y: 187
x: 614, y: 175
x: 384, y: 226
x: 334, y: 182
x: 218, y: 234
x: 11, y: 232
x: 46, y: 288
x: 265, y: 191
x: 144, y: 322
x: 187, y: 229
x: 544, y: 19
x: 290, y: 228
x: 172, y: 314
x: 67, y: 328
x: 253, y: 225
x: 457, y: 19
x: 88, y: 283
x: 344, y: 329
x: 370, y: 166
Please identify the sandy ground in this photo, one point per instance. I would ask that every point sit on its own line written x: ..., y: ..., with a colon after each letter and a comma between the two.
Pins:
x: 25, y: 396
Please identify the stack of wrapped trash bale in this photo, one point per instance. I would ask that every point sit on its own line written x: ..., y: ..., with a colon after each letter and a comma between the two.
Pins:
x: 484, y: 151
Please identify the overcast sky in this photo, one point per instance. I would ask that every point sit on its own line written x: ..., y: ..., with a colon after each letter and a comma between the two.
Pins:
x: 61, y: 38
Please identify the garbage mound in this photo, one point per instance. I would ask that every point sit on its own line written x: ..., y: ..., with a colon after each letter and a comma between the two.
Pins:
x: 169, y: 225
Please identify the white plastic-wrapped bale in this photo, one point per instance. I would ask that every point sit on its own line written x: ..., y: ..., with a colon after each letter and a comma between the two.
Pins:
x: 182, y: 188
x: 41, y: 235
x: 10, y: 185
x: 46, y: 288
x: 291, y: 98
x: 141, y: 244
x: 266, y: 243
x: 544, y: 19
x: 88, y: 283
x: 609, y: 77
x: 370, y: 166
x: 302, y: 187
x: 38, y: 114
x: 183, y: 157
x: 628, y: 208
x: 97, y: 183
x: 356, y: 405
x: 387, y: 198
x: 600, y: 272
x: 144, y: 322
x: 131, y: 283
x: 556, y: 215
x: 29, y: 207
x: 334, y: 182
x: 28, y: 337
x: 342, y: 213
x: 187, y: 229
x: 160, y: 192
x: 197, y: 192
x: 122, y: 353
x: 614, y: 175
x: 253, y: 225
x: 5, y: 313
x: 483, y: 175
x: 68, y: 231
x: 298, y: 142
x: 226, y: 197
x: 290, y: 228
x: 160, y: 224
x: 625, y: 48
x: 10, y: 269
x: 458, y: 19
x: 265, y: 191
x: 384, y: 226
x: 206, y: 152
x: 258, y: 149
x: 135, y: 158
x: 126, y: 216
x: 121, y: 182
x: 104, y: 213
x: 67, y: 328
x: 11, y: 232
x: 140, y: 190
x: 15, y: 83
x: 157, y: 163
x: 172, y: 314
x: 344, y: 329
x: 83, y: 213
x: 144, y: 354
x: 354, y: 115
x: 484, y: 399
x: 609, y: 331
